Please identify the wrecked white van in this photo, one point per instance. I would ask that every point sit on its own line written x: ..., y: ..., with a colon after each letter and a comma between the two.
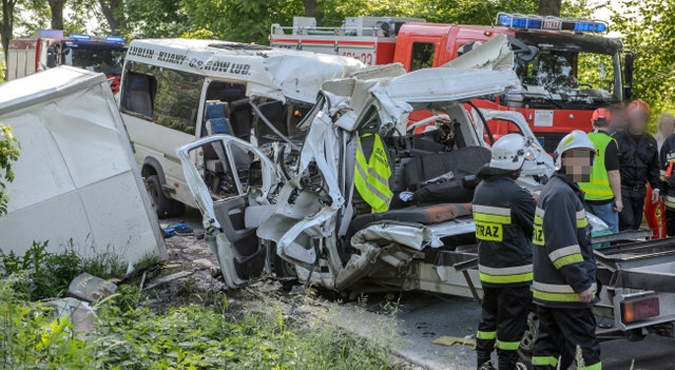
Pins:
x: 177, y: 90
x: 301, y: 213
x: 76, y: 178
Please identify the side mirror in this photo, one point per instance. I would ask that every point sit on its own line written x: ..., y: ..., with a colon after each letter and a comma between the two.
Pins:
x: 523, y: 51
x: 51, y: 57
x: 629, y: 68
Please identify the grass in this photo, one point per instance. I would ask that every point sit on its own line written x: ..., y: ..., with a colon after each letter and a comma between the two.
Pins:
x: 129, y: 335
x: 192, y: 337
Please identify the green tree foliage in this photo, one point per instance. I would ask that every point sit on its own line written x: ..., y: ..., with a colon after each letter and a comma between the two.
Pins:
x: 648, y: 28
x: 155, y: 19
x: 9, y: 153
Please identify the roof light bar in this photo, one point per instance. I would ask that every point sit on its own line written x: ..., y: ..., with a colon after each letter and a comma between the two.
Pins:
x: 78, y: 36
x: 114, y: 39
x: 550, y: 23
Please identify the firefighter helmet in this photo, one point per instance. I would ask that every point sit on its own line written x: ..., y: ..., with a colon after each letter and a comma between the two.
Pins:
x: 601, y: 115
x: 576, y: 139
x: 638, y: 105
x: 510, y: 152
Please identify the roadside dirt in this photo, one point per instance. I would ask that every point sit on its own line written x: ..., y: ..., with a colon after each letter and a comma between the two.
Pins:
x: 192, y: 276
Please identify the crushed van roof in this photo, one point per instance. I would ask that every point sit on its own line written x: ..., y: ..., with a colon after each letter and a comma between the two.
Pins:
x: 268, y: 72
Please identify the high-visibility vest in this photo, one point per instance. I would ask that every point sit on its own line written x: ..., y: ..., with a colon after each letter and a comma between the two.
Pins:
x: 599, y: 187
x: 371, y: 176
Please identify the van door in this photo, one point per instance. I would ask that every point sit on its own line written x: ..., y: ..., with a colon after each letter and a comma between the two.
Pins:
x: 230, y: 184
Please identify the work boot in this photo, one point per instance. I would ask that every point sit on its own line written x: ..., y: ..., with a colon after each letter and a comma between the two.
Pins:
x: 507, y: 359
x: 484, y: 361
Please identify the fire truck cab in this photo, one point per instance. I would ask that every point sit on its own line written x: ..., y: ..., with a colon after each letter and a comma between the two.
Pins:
x: 50, y: 48
x: 566, y: 68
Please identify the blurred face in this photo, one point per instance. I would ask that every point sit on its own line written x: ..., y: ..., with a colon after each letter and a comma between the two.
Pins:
x: 578, y: 164
x: 637, y: 122
x: 667, y: 126
x: 618, y: 120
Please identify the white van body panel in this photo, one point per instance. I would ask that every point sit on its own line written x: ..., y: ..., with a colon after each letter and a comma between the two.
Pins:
x: 76, y: 177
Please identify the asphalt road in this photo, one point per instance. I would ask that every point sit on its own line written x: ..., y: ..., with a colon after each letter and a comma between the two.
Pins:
x: 416, y: 319
x: 424, y: 318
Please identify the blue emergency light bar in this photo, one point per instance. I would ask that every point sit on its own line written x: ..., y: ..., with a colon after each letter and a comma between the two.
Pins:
x: 78, y: 36
x: 114, y: 39
x: 550, y: 23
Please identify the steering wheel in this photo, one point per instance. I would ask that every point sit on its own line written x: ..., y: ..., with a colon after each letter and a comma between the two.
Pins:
x: 590, y: 87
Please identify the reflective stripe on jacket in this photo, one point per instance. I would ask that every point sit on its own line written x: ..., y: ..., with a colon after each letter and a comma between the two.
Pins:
x: 371, y: 176
x: 503, y: 213
x: 564, y: 264
x: 599, y: 187
x: 667, y: 163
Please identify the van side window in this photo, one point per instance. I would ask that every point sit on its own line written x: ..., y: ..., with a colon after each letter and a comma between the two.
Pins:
x: 139, y: 93
x: 177, y: 100
x: 422, y: 55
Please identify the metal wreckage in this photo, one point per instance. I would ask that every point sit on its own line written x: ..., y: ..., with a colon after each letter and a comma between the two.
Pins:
x: 293, y: 205
x: 296, y: 207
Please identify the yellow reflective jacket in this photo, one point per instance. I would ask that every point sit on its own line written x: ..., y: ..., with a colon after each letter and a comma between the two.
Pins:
x: 371, y: 176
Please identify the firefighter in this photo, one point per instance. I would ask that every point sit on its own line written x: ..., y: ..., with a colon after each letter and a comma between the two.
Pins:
x: 638, y: 165
x: 667, y: 162
x: 656, y: 214
x: 504, y: 214
x: 603, y: 191
x: 564, y: 287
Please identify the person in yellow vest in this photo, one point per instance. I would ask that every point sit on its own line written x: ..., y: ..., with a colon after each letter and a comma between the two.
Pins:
x: 372, y: 172
x: 603, y: 191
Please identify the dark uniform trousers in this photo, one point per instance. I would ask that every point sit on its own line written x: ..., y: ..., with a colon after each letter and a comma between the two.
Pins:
x: 561, y: 331
x: 502, y: 324
x: 633, y: 199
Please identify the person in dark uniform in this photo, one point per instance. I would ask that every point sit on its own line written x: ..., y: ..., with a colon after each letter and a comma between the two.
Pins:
x: 504, y: 214
x: 638, y: 165
x: 667, y: 162
x: 564, y: 287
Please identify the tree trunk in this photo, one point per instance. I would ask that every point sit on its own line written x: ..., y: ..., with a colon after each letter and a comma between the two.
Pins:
x: 113, y: 12
x: 56, y: 7
x: 7, y: 26
x: 312, y: 10
x: 550, y: 7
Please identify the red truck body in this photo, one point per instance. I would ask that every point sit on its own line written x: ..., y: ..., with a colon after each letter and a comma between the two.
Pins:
x: 572, y: 74
x: 26, y: 56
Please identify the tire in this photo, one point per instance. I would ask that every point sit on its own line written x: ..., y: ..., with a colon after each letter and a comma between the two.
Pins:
x: 529, y: 338
x: 162, y: 205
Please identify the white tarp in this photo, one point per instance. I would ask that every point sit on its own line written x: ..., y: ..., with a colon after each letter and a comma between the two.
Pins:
x: 76, y: 177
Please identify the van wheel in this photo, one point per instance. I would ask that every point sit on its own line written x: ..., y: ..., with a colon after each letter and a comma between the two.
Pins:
x: 526, y: 348
x: 161, y: 204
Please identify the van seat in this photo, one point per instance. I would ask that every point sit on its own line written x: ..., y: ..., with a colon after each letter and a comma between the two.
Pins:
x: 427, y: 215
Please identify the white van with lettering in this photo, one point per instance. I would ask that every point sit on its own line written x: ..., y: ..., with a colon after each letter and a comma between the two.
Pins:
x: 177, y: 90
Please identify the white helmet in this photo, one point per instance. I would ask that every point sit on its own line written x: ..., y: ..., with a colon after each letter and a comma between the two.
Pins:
x: 510, y: 152
x: 574, y: 140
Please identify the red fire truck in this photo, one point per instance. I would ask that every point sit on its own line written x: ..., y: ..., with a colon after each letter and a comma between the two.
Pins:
x: 50, y: 48
x: 567, y: 67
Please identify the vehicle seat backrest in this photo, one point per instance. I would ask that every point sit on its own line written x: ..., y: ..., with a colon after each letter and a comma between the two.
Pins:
x: 139, y: 99
x: 216, y: 119
x: 240, y: 117
x: 461, y: 162
x: 216, y: 109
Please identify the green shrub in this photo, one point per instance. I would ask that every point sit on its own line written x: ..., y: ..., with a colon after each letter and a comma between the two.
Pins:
x: 49, y: 274
x: 9, y: 153
x: 187, y: 338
